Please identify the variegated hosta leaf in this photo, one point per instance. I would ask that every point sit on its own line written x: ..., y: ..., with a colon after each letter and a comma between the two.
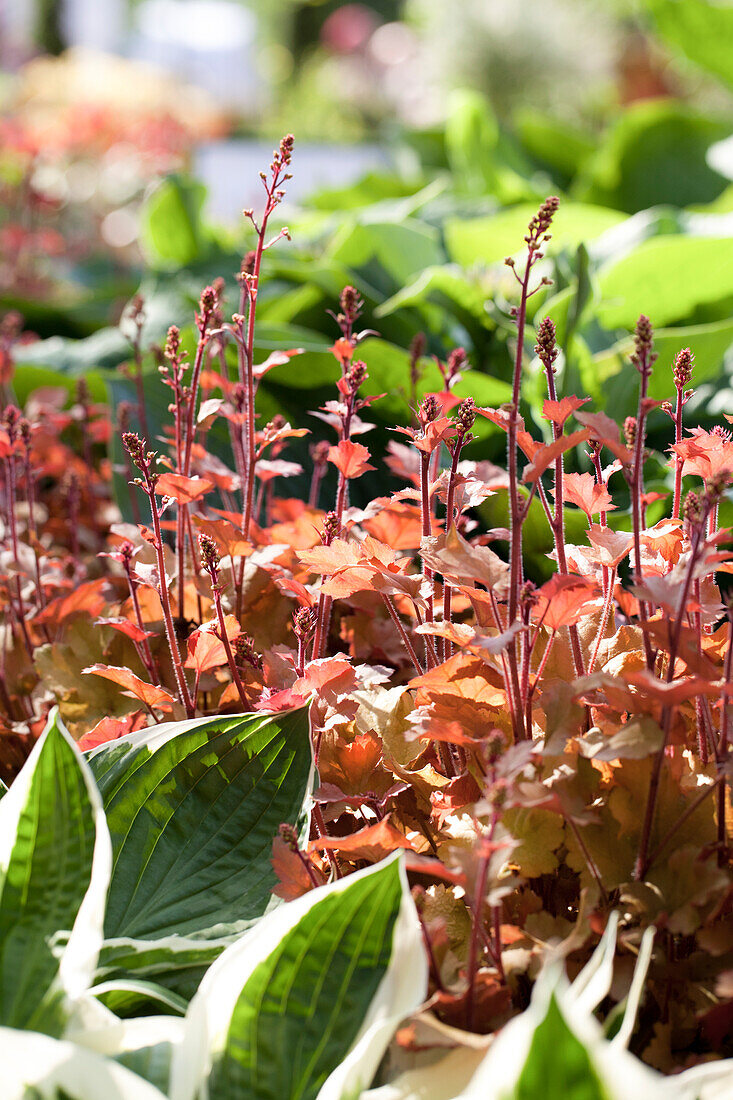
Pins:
x: 55, y: 860
x: 305, y: 1003
x: 192, y: 809
x: 37, y: 1067
x: 144, y: 1045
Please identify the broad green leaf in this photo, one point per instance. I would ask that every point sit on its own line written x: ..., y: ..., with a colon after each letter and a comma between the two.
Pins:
x: 489, y: 240
x: 305, y: 1004
x: 558, y: 1066
x: 55, y: 863
x: 175, y: 963
x: 612, y: 381
x: 553, y: 142
x: 170, y: 229
x: 125, y: 996
x: 701, y: 30
x: 38, y: 1067
x: 448, y: 290
x: 671, y: 280
x: 192, y: 809
x: 371, y: 188
x: 388, y: 253
x: 471, y: 137
x: 655, y: 154
x: 165, y: 304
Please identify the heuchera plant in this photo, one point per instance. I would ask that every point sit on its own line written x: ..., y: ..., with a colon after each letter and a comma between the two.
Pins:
x: 544, y: 755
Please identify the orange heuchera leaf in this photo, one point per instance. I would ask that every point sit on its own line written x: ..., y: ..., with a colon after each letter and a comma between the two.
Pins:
x: 276, y: 359
x: 611, y: 546
x: 705, y: 453
x: 459, y: 560
x: 463, y: 676
x: 364, y: 566
x: 458, y: 701
x: 342, y: 349
x: 129, y: 629
x: 355, y: 766
x: 564, y: 600
x: 107, y: 729
x: 436, y: 432
x: 87, y: 599
x: 670, y: 694
x: 227, y: 537
x: 373, y: 843
x: 583, y: 490
x: 545, y: 456
x: 329, y: 679
x: 665, y: 538
x: 500, y: 417
x: 205, y: 650
x: 351, y: 459
x: 558, y: 411
x: 606, y: 431
x: 134, y: 687
x: 183, y: 489
x: 291, y: 871
x: 399, y: 525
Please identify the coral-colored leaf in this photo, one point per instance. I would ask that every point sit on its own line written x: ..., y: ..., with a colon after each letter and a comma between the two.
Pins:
x: 545, y: 456
x: 292, y: 873
x: 373, y: 843
x: 459, y: 560
x: 558, y: 411
x: 350, y: 459
x: 135, y: 687
x: 584, y: 491
x: 563, y: 601
x: 183, y: 489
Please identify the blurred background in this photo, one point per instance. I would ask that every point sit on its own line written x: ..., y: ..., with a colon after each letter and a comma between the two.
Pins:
x: 133, y: 132
x: 99, y: 96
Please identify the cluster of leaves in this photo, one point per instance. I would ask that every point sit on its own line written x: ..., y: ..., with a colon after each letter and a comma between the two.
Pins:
x: 551, y: 759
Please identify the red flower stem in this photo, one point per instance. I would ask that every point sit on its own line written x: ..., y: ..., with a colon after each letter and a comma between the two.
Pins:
x: 541, y: 666
x: 446, y: 649
x: 320, y: 830
x: 596, y: 459
x: 604, y: 620
x: 224, y: 637
x: 426, y: 532
x: 139, y: 388
x: 10, y: 478
x: 325, y: 603
x: 145, y: 645
x: 388, y: 603
x: 252, y: 289
x: 723, y: 741
x: 637, y: 491
x: 558, y: 523
x: 678, y: 462
x: 592, y: 866
x: 170, y: 632
x: 477, y: 918
x: 642, y: 863
x: 702, y: 742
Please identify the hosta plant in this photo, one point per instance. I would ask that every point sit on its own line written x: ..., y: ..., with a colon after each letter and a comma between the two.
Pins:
x: 373, y: 706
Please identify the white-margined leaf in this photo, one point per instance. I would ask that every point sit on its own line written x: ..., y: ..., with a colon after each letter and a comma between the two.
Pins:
x: 39, y: 1067
x: 55, y: 860
x: 305, y: 1004
x: 192, y: 809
